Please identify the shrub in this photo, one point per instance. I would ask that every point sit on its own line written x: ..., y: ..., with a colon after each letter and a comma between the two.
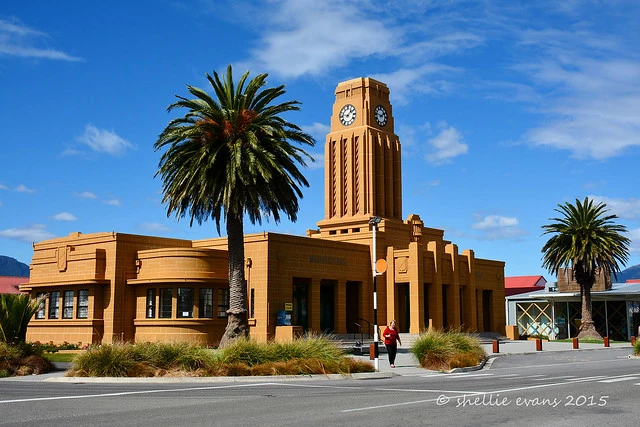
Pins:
x: 16, y: 310
x: 636, y: 347
x: 439, y: 350
x: 21, y: 359
x: 314, y: 354
x: 141, y: 359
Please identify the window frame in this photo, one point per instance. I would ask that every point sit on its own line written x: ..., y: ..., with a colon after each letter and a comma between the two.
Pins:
x: 42, y: 306
x: 82, y: 309
x: 54, y: 305
x: 205, y: 303
x: 223, y: 303
x: 150, y: 304
x: 185, y: 300
x: 67, y: 304
x: 164, y: 304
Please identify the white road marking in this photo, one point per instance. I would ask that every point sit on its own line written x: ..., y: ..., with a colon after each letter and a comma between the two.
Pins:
x: 128, y: 393
x: 617, y: 380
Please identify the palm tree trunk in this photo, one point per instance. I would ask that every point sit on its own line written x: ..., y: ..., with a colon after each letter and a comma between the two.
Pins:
x: 587, y: 327
x: 237, y: 322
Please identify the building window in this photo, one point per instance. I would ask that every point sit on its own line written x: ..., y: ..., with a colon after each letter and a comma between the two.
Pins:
x: 185, y: 302
x: 67, y: 305
x: 165, y: 303
x: 206, y: 303
x: 41, y: 297
x: 223, y: 302
x: 151, y: 304
x: 54, y: 305
x: 252, y: 303
x: 83, y: 304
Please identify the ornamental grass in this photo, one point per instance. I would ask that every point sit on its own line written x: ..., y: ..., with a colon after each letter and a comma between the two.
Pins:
x: 445, y: 350
x: 22, y: 359
x: 313, y: 354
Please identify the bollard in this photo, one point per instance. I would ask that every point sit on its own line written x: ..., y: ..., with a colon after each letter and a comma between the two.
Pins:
x: 606, y: 341
x: 538, y: 344
x: 496, y: 346
x: 575, y: 343
x: 633, y: 340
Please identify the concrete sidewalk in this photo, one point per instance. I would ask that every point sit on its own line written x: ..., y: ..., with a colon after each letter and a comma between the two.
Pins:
x: 407, y: 365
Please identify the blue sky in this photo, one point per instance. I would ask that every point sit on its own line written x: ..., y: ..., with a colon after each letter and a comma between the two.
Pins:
x: 504, y: 109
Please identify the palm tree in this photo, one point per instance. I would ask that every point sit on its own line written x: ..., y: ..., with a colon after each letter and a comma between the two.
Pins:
x: 587, y: 241
x: 229, y: 156
x: 16, y: 310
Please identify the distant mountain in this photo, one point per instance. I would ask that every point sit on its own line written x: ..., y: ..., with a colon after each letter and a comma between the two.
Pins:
x: 632, y: 272
x: 12, y: 267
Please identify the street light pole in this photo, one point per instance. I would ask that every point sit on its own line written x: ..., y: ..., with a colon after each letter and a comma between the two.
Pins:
x: 374, y: 221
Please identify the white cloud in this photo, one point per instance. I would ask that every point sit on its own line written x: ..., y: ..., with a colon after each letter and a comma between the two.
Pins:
x: 65, y: 216
x: 495, y: 221
x: 154, y: 227
x: 104, y: 141
x: 496, y: 227
x: 446, y: 146
x: 86, y: 195
x: 634, y: 236
x: 318, y: 131
x: 33, y: 233
x: 16, y: 39
x: 3, y: 187
x: 112, y: 202
x: 423, y: 79
x: 591, y: 109
x: 623, y: 208
x: 24, y: 189
x: 310, y: 37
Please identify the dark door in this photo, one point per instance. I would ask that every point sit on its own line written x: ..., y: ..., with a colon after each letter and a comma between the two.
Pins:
x: 326, y: 307
x: 354, y: 324
x: 486, y: 310
x: 403, y: 316
x: 300, y: 315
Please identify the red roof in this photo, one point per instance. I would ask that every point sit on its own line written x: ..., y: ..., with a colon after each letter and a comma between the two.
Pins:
x: 521, y: 284
x: 9, y: 284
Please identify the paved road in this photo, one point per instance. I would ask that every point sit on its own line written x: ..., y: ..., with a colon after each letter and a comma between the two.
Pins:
x: 586, y: 387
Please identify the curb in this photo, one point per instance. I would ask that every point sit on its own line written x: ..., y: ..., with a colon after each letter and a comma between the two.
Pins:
x: 247, y: 379
x: 468, y: 368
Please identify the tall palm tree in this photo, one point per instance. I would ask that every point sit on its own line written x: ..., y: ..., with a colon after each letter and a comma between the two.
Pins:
x: 588, y: 241
x: 231, y: 156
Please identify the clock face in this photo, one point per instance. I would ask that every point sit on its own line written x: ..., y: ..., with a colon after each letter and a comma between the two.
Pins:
x: 347, y: 114
x: 381, y: 115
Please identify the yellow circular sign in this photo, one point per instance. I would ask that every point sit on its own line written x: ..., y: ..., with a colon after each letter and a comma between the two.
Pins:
x: 381, y: 266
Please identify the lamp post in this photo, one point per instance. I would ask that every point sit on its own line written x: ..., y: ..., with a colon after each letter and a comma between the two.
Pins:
x: 374, y: 221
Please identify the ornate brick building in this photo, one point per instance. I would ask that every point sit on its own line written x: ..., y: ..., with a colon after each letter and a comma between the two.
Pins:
x: 105, y: 287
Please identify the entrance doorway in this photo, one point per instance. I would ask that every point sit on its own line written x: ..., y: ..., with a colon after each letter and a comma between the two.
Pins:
x: 354, y: 325
x: 403, y: 315
x: 327, y: 305
x: 300, y: 314
x: 486, y: 310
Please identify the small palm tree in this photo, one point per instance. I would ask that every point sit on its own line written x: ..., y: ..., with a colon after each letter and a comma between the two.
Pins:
x: 587, y: 241
x: 16, y: 310
x: 231, y: 156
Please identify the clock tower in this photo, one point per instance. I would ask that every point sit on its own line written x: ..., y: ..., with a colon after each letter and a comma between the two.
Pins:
x: 362, y: 158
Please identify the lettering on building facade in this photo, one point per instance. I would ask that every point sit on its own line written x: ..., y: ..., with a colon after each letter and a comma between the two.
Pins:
x: 331, y: 260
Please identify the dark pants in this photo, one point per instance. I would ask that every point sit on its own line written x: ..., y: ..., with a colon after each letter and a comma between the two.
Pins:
x: 392, y: 349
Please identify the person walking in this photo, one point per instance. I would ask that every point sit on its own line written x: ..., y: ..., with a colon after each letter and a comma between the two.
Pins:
x: 391, y: 341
